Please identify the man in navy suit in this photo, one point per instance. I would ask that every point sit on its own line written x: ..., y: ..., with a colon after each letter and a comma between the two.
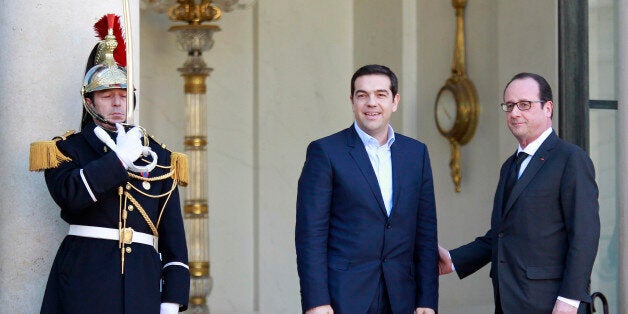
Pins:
x: 366, y: 218
x: 545, y: 224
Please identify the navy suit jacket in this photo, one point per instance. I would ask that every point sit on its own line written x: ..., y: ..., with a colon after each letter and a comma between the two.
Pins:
x: 345, y: 242
x: 543, y: 243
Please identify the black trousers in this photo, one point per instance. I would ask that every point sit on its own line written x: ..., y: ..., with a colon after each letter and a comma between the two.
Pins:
x: 582, y: 309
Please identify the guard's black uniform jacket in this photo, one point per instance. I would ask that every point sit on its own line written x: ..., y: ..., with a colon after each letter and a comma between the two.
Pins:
x: 86, y: 273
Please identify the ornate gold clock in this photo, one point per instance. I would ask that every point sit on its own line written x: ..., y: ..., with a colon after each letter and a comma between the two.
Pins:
x: 456, y: 109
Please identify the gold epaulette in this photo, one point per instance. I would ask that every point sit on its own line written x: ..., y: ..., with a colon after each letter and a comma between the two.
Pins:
x: 180, y: 168
x: 45, y: 154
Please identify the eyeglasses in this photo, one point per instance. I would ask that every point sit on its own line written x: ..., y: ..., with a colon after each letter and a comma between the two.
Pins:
x: 522, y: 105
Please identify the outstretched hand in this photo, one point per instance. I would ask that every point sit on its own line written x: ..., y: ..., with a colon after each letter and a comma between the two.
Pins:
x: 445, y: 265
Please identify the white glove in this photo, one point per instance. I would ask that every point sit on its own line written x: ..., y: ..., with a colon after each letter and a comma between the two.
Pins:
x: 169, y: 308
x: 129, y: 147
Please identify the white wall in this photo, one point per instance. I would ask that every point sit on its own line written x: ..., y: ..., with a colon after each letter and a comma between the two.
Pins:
x: 527, y: 45
x: 304, y: 62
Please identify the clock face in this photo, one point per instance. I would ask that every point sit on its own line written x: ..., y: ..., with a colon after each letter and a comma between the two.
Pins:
x: 446, y: 111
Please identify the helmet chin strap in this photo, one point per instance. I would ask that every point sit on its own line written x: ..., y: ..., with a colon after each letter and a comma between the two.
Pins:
x: 99, y: 117
x: 90, y: 109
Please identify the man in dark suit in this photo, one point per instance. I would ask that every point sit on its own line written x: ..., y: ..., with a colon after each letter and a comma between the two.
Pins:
x: 366, y: 219
x: 545, y: 225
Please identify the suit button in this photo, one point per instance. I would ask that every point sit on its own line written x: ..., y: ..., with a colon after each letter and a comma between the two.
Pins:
x: 501, y: 235
x: 388, y: 226
x: 385, y: 260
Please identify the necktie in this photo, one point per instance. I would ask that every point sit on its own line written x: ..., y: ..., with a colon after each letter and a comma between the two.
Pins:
x: 513, y: 176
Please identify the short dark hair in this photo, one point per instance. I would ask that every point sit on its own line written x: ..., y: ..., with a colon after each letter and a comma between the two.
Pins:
x: 545, y: 91
x: 376, y: 69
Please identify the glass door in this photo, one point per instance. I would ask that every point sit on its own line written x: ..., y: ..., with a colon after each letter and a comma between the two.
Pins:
x: 603, y: 143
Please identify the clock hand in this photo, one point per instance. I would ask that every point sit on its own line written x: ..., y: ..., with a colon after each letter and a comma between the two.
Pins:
x: 447, y: 113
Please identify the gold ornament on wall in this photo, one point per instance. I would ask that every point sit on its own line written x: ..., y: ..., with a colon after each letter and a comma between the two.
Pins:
x: 456, y: 109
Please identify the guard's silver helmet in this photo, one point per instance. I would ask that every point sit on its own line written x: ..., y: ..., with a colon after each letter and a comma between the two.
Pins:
x: 102, y: 77
x: 106, y: 73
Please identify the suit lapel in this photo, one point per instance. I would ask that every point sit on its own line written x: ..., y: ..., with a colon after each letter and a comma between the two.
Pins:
x: 536, y: 163
x: 503, y: 177
x: 361, y: 158
x: 396, y: 158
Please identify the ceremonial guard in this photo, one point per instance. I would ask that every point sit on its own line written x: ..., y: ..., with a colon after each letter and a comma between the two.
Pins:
x: 125, y: 251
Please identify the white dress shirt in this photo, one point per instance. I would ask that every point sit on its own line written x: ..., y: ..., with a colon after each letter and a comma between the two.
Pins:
x: 381, y: 162
x: 531, y: 149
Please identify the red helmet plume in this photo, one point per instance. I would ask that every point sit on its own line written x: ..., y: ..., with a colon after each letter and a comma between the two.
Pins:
x: 102, y: 27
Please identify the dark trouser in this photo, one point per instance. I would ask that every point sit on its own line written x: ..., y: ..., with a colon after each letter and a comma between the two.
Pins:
x: 381, y: 302
x: 498, y: 304
x: 583, y: 309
